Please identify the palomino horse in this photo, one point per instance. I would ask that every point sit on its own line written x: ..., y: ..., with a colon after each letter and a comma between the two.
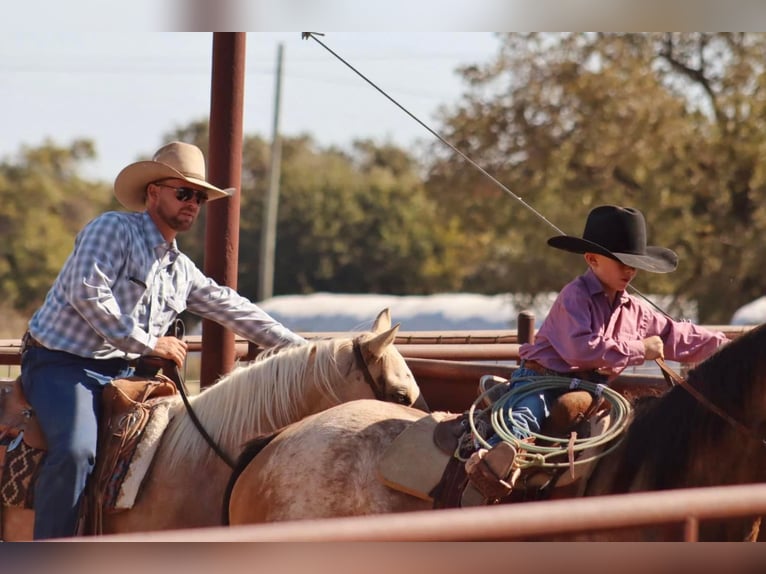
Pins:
x: 327, y: 465
x: 186, y: 481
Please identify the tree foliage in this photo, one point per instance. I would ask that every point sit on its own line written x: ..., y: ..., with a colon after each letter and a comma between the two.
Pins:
x: 672, y: 124
x: 45, y: 203
x: 356, y: 221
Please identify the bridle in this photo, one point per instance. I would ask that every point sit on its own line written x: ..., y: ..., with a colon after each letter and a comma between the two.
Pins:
x: 674, y: 379
x: 377, y: 387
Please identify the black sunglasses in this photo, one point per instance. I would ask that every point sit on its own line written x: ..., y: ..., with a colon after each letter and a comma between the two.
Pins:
x: 185, y: 194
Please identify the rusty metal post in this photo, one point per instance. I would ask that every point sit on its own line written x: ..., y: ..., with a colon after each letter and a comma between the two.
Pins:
x: 525, y: 327
x: 691, y: 529
x: 225, y: 170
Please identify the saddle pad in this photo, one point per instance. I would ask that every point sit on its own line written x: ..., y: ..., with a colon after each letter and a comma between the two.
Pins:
x: 121, y: 483
x: 413, y: 463
x: 18, y: 473
x: 144, y: 455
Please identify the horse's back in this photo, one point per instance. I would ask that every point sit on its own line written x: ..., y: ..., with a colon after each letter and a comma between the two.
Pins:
x: 324, y: 466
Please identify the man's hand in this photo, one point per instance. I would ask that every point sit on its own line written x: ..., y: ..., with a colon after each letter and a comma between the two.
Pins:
x: 654, y: 348
x: 172, y: 348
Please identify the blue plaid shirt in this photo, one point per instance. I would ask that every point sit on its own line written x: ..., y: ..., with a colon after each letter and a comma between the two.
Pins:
x: 123, y: 285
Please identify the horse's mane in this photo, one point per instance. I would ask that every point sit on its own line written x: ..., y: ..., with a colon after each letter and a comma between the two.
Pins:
x: 668, y: 433
x: 258, y: 397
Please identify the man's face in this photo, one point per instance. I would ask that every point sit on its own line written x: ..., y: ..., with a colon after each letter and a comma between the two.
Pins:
x: 177, y: 203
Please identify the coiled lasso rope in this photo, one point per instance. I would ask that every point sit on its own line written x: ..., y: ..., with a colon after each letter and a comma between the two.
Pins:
x: 545, y: 448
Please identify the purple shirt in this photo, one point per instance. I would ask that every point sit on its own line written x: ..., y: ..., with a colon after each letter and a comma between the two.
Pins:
x: 584, y: 332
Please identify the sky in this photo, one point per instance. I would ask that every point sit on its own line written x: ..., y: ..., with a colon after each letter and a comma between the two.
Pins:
x: 124, y: 74
x: 126, y: 90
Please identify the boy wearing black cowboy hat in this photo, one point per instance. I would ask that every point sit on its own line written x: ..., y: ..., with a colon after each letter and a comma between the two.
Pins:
x: 595, y: 329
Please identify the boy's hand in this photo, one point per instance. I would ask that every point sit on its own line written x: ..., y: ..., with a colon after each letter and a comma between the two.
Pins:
x: 653, y: 348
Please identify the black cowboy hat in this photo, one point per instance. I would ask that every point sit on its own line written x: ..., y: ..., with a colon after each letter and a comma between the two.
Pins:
x: 619, y: 233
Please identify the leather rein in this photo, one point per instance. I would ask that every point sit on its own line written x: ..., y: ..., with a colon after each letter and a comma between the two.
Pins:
x: 172, y: 372
x: 674, y: 379
x: 170, y: 369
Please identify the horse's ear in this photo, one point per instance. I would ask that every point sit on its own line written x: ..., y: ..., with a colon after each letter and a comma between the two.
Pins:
x: 377, y: 345
x: 382, y: 321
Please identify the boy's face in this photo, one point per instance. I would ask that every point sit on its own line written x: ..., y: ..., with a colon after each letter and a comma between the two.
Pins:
x: 614, y: 275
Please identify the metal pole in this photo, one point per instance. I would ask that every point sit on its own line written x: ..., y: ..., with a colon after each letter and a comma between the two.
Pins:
x: 225, y: 170
x: 271, y: 201
x: 525, y: 327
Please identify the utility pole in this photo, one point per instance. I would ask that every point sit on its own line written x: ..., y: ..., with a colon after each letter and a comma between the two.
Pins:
x: 271, y: 201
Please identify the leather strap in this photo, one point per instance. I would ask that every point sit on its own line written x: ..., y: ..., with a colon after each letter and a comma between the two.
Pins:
x: 671, y: 377
x: 376, y: 387
x: 592, y: 376
x: 675, y: 379
x: 28, y: 341
x: 448, y: 492
x: 170, y: 369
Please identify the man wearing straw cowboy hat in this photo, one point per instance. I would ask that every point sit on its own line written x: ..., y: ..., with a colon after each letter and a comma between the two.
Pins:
x: 122, y: 286
x: 595, y: 329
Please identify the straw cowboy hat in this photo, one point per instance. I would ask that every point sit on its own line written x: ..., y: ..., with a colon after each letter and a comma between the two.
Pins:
x: 174, y: 160
x: 619, y: 233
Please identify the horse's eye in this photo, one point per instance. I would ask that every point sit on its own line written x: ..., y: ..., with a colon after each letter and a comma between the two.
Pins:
x: 402, y: 398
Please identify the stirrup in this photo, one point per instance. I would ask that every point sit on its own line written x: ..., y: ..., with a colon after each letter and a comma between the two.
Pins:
x: 491, y: 471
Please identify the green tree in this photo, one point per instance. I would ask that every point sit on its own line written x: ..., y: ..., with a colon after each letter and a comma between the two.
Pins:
x: 352, y: 221
x: 670, y: 123
x: 45, y: 203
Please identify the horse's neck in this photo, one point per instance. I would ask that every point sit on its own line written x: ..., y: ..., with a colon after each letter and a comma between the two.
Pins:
x: 264, y: 397
x: 256, y: 400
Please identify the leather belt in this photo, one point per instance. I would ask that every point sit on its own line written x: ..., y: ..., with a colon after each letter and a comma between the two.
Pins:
x: 28, y: 341
x: 145, y: 368
x: 592, y: 376
x: 537, y: 368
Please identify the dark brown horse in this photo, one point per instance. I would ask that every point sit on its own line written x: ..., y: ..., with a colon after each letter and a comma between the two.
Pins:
x: 327, y: 465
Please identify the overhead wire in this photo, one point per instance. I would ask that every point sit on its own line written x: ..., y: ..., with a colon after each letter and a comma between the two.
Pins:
x: 525, y: 204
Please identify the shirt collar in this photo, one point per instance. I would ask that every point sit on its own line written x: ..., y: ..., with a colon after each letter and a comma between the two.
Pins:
x: 156, y: 242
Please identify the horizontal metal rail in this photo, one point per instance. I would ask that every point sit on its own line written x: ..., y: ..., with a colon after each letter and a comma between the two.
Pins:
x: 456, y: 345
x: 531, y: 520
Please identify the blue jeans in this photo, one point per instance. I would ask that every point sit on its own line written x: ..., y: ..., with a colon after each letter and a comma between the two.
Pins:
x: 65, y: 393
x: 530, y: 411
